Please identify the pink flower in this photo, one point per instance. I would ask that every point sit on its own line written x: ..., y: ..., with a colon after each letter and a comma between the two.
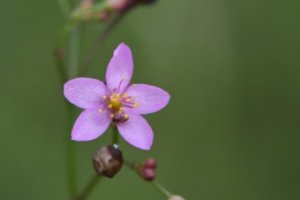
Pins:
x: 115, y: 102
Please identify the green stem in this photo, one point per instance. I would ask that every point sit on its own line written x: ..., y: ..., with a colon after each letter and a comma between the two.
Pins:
x: 163, y: 190
x: 59, y: 52
x: 88, y: 188
x: 115, y: 136
x: 71, y: 156
x: 71, y: 148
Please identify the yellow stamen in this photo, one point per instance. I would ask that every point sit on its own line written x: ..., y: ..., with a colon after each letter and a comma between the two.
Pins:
x: 125, y: 95
x: 135, y: 105
x: 100, y: 110
x: 112, y: 115
x: 128, y: 100
x: 104, y: 97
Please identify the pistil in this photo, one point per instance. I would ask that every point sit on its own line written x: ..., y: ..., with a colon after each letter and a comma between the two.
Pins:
x: 116, y: 103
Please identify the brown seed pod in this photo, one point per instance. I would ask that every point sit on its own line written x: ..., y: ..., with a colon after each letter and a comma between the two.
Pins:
x: 108, y: 161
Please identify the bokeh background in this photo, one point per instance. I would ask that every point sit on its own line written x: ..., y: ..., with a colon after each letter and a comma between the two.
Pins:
x: 231, y: 130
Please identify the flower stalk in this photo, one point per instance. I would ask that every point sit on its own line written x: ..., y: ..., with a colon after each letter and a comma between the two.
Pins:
x: 163, y: 190
x: 85, y: 193
x: 71, y: 156
x: 115, y: 136
x: 140, y: 169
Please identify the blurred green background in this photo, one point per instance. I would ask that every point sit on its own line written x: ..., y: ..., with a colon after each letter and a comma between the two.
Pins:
x: 230, y: 132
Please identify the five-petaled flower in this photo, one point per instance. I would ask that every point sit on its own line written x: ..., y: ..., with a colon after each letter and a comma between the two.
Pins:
x: 115, y: 102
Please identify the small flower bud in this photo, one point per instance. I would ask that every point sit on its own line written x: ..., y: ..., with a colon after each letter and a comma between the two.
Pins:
x: 150, y: 163
x: 119, y: 5
x: 176, y: 197
x: 86, y: 4
x: 148, y: 174
x: 147, y: 169
x: 104, y: 16
x: 108, y: 161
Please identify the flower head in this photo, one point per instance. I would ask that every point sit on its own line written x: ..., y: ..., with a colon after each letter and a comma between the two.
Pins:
x: 117, y: 102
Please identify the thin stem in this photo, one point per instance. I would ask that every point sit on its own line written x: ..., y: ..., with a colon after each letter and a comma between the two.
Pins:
x: 71, y: 156
x: 162, y: 189
x: 59, y: 52
x: 135, y: 167
x: 100, y: 40
x: 65, y: 7
x: 71, y: 148
x: 74, y: 52
x: 88, y: 188
x: 115, y: 136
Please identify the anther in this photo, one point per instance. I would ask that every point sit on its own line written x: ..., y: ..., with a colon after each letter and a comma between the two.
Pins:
x: 125, y: 95
x: 100, y: 110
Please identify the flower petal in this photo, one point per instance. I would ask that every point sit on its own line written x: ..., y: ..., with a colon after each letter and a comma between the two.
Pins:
x: 84, y: 92
x: 90, y: 124
x: 136, y: 131
x: 149, y: 98
x: 120, y: 68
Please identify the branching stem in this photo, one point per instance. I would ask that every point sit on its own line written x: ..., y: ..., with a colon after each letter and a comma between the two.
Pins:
x: 88, y: 188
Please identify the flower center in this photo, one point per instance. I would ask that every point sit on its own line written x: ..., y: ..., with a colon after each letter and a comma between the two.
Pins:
x: 115, y: 104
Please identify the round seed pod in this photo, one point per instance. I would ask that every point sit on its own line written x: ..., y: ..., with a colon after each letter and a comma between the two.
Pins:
x: 108, y: 161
